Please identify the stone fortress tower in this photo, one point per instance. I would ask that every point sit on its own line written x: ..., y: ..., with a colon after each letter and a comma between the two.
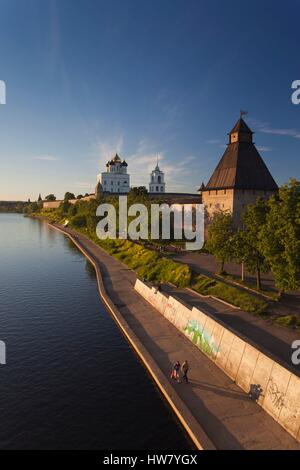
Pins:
x: 157, y: 180
x: 240, y: 178
x: 115, y: 179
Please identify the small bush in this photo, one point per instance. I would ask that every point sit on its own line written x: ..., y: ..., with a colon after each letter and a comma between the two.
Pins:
x: 202, y: 283
x: 288, y: 320
x: 78, y: 221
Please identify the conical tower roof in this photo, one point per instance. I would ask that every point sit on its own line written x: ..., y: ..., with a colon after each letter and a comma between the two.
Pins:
x: 241, y: 126
x: 241, y: 166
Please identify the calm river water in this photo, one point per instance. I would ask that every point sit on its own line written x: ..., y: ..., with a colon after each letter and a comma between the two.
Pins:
x: 71, y: 380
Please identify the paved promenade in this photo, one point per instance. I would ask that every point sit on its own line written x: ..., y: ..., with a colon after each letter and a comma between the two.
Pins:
x: 229, y: 418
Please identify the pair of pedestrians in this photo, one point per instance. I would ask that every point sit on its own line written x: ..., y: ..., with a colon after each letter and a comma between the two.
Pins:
x: 180, y: 370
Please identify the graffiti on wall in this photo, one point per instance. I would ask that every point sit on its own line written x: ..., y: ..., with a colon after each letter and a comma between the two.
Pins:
x: 201, y: 338
x: 276, y: 396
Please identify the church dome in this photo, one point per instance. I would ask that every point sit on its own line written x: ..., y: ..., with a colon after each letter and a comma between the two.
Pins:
x: 124, y: 163
x: 117, y: 159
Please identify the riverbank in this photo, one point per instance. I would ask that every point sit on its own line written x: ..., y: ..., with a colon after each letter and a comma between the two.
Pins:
x: 153, y: 266
x: 212, y: 408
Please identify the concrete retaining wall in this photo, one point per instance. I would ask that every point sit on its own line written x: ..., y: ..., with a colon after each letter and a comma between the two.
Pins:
x: 278, y: 390
x: 188, y: 421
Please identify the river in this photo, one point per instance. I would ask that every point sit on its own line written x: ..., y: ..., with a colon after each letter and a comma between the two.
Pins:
x: 71, y: 381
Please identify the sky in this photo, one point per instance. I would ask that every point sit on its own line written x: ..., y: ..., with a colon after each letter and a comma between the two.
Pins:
x: 88, y: 78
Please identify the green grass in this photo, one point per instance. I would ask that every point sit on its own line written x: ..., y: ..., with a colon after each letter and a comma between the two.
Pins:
x: 155, y: 267
x: 291, y: 321
x: 207, y: 286
x: 275, y: 295
x: 146, y: 263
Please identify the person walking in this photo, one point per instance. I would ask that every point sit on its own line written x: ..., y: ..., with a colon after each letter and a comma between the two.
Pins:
x: 184, y: 370
x: 175, y: 371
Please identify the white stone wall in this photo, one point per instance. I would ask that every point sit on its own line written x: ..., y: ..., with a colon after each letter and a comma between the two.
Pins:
x: 115, y: 182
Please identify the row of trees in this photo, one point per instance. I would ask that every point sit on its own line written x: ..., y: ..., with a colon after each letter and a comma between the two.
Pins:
x: 267, y: 240
x: 67, y: 197
x: 36, y: 206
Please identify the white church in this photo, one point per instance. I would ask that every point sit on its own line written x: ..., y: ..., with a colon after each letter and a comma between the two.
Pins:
x: 116, y: 179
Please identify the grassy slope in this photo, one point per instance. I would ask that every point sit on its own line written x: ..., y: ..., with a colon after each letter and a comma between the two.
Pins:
x: 156, y: 268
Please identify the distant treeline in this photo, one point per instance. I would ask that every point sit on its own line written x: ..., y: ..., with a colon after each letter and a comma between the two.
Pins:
x: 12, y: 206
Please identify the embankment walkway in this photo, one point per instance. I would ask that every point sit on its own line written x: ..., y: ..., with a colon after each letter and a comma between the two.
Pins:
x: 214, y: 410
x: 270, y: 339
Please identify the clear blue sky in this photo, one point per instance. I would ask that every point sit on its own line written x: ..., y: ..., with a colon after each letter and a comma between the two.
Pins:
x: 88, y: 77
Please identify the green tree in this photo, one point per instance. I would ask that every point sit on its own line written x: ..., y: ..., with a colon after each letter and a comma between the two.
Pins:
x: 280, y: 236
x: 50, y: 197
x: 220, y: 235
x: 138, y: 191
x: 31, y: 208
x: 72, y: 210
x: 64, y: 208
x: 246, y: 243
x: 98, y: 192
x: 69, y: 196
x: 79, y: 221
x: 40, y: 198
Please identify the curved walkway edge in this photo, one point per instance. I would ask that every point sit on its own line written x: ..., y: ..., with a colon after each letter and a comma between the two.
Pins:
x: 190, y: 424
x: 213, y: 410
